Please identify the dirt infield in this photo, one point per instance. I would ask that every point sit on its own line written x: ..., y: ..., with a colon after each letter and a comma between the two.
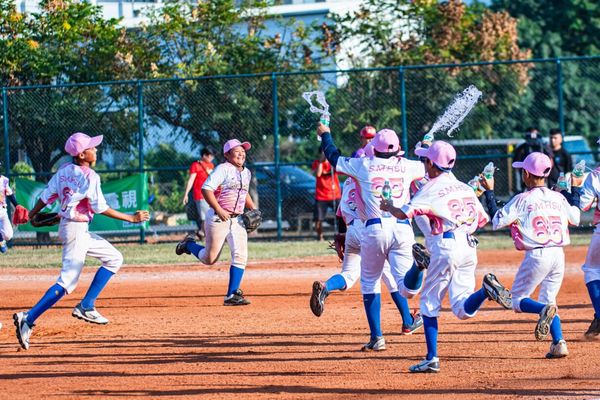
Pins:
x: 170, y: 336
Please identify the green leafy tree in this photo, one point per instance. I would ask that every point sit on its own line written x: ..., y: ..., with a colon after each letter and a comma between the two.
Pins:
x: 66, y: 41
x: 557, y: 29
x: 207, y: 38
x: 400, y: 33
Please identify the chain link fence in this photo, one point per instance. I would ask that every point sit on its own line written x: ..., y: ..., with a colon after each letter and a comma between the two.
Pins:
x: 160, y: 126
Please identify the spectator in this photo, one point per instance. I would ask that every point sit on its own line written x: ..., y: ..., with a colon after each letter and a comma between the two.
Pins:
x: 199, y: 171
x: 327, y: 193
x: 561, y: 159
x: 533, y: 143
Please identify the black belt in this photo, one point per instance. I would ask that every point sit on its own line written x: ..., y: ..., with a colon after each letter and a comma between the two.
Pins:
x: 373, y: 221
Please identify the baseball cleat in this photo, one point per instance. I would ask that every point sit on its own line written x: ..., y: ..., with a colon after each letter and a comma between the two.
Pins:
x: 317, y: 299
x: 417, y: 323
x: 594, y: 329
x: 375, y: 344
x: 558, y: 350
x: 23, y: 329
x: 182, y: 246
x: 426, y: 365
x: 421, y: 256
x: 543, y: 326
x: 3, y: 247
x: 91, y: 316
x: 236, y: 299
x: 496, y: 291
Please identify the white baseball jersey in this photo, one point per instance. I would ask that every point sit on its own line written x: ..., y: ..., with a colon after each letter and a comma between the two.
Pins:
x: 351, y: 206
x: 371, y: 173
x: 590, y: 192
x: 5, y: 190
x: 233, y: 186
x: 539, y: 217
x: 78, y: 190
x: 450, y: 205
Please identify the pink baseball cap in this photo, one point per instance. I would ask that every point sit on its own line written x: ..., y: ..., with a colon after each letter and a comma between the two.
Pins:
x: 79, y: 142
x: 441, y: 153
x: 230, y: 144
x: 386, y: 141
x: 536, y: 163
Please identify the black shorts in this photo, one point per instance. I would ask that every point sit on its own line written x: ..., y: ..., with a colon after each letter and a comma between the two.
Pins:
x: 321, y: 206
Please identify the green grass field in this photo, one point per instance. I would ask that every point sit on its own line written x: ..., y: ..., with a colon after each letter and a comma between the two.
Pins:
x: 164, y: 253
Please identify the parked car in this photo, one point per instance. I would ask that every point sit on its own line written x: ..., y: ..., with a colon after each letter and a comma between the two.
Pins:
x: 297, y: 191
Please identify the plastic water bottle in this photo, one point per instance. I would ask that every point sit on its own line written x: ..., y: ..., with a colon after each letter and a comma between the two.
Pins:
x: 579, y: 169
x: 474, y: 183
x: 427, y: 139
x: 488, y: 171
x: 386, y: 194
x: 562, y: 182
x: 324, y: 119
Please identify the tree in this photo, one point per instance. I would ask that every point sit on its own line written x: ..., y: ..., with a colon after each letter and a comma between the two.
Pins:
x: 66, y: 41
x: 400, y: 33
x: 557, y: 29
x: 207, y: 38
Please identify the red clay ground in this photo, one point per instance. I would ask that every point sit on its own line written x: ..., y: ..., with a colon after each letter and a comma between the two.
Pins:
x: 170, y: 336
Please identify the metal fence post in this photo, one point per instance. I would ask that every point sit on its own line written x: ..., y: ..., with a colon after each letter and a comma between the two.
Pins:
x: 559, y: 88
x: 403, y: 109
x: 6, y: 142
x: 276, y: 151
x: 140, y: 92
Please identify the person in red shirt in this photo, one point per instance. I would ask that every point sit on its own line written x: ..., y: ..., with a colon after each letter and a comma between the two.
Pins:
x: 199, y: 171
x: 327, y: 193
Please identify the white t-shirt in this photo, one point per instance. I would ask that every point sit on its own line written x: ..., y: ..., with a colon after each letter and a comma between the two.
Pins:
x: 590, y: 191
x: 449, y: 204
x: 233, y: 186
x: 539, y: 217
x: 370, y: 174
x: 78, y: 190
x: 5, y: 190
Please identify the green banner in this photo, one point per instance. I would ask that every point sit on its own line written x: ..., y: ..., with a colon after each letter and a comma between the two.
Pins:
x: 126, y: 195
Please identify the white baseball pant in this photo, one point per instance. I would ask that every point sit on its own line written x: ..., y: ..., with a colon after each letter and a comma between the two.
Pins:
x: 78, y: 242
x: 217, y: 232
x: 351, y: 264
x: 6, y: 228
x: 543, y: 267
x: 386, y: 240
x: 451, y: 269
x: 591, y: 268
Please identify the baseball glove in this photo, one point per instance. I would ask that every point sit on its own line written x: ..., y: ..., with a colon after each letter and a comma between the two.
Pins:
x: 44, y: 219
x: 338, y: 244
x: 252, y: 220
x: 21, y: 215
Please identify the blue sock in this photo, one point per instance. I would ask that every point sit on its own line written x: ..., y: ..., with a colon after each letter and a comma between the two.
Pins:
x: 556, y: 330
x: 235, y: 279
x: 100, y: 280
x: 594, y: 290
x: 336, y: 282
x: 402, y: 304
x: 413, y: 278
x: 54, y: 294
x: 373, y: 308
x: 531, y: 306
x: 475, y: 301
x: 194, y: 247
x: 430, y: 325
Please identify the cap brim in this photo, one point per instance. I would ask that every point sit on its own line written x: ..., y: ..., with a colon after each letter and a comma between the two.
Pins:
x: 518, y: 164
x: 95, y: 141
x: 422, y: 152
x: 246, y: 145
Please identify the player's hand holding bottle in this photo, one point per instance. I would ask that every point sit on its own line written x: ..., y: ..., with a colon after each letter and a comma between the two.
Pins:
x: 140, y: 216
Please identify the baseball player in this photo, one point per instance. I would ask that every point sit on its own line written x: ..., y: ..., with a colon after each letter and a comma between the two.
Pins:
x: 455, y: 213
x: 6, y: 229
x: 588, y: 193
x: 223, y: 221
x: 384, y: 238
x: 77, y: 187
x: 352, y: 212
x: 539, y: 220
